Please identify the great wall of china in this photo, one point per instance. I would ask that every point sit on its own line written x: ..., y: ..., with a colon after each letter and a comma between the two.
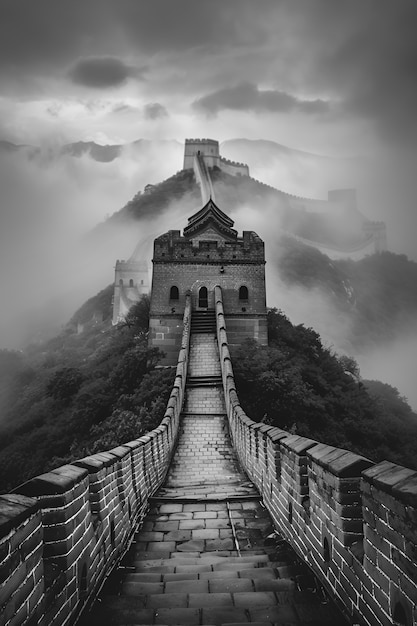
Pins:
x: 179, y: 516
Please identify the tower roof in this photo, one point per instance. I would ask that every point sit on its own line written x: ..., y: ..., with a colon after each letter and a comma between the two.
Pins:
x: 211, y: 215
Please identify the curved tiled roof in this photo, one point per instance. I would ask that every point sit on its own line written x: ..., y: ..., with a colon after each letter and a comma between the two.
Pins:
x: 210, y: 213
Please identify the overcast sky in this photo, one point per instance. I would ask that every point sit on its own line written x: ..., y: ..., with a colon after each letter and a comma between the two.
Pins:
x: 331, y: 76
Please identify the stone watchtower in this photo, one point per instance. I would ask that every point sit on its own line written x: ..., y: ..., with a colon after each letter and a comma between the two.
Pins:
x: 208, y: 253
x: 208, y: 148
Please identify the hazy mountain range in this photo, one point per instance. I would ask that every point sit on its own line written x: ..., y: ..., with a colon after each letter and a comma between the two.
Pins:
x: 241, y: 149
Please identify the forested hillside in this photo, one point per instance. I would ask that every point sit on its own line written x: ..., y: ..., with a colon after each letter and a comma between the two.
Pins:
x: 88, y: 391
x: 79, y: 393
x: 298, y: 385
x: 94, y: 386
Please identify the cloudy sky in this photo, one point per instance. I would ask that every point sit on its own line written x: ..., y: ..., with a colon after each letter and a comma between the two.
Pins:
x: 330, y: 76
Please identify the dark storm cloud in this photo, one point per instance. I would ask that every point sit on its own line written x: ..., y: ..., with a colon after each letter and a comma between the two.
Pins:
x: 154, y: 111
x: 248, y: 97
x: 47, y: 32
x: 362, y: 53
x: 103, y: 72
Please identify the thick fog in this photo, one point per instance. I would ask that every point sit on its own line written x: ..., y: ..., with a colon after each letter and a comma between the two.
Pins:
x: 48, y: 205
x: 393, y: 362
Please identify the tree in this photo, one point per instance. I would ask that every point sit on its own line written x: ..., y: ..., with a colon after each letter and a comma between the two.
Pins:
x: 64, y: 384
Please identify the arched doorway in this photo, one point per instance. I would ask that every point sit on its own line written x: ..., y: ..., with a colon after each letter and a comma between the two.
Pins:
x: 203, y: 298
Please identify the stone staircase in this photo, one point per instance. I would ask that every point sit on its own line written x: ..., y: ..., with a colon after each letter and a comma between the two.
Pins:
x: 203, y: 321
x: 206, y: 553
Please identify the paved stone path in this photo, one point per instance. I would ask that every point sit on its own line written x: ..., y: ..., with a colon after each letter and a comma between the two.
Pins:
x: 200, y: 557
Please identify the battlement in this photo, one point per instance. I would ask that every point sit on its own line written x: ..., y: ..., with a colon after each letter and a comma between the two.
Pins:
x: 350, y: 519
x: 233, y: 167
x: 131, y: 282
x: 208, y: 149
x: 237, y: 163
x: 213, y: 142
x: 171, y: 246
x: 134, y: 265
x: 61, y: 533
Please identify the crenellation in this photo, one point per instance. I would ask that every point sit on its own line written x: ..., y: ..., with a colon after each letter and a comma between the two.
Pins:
x: 78, y: 518
x: 328, y: 503
x: 351, y: 520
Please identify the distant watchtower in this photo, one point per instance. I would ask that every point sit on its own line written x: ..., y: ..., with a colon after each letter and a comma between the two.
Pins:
x: 208, y: 148
x: 209, y: 253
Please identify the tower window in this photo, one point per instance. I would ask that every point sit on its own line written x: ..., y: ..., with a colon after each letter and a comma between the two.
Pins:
x: 174, y: 293
x: 121, y: 282
x: 243, y: 293
x: 203, y: 298
x: 131, y: 282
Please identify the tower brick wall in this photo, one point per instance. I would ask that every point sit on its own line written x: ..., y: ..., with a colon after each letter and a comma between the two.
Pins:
x: 209, y: 148
x: 130, y: 283
x: 208, y: 254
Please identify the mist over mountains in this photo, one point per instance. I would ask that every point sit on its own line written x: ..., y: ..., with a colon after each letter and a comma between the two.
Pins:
x: 294, y: 171
x: 69, y: 211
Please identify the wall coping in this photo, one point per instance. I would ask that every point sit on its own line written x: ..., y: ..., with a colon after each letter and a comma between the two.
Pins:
x: 340, y: 462
x: 15, y: 509
x: 398, y: 481
x: 297, y: 444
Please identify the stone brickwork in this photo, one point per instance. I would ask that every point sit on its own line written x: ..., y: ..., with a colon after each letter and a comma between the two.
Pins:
x: 204, y: 400
x: 204, y: 444
x: 202, y: 555
x: 22, y: 573
x: 191, y: 277
x: 208, y: 149
x: 354, y: 522
x: 209, y: 253
x: 204, y: 355
x: 63, y: 531
x: 131, y: 282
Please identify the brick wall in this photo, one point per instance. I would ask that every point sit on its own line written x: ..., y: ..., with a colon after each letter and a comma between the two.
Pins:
x: 246, y: 318
x: 63, y: 531
x: 354, y: 522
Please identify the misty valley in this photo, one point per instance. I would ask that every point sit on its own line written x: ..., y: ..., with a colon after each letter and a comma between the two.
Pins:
x: 92, y: 385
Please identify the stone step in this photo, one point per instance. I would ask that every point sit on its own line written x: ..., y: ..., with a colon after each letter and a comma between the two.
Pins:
x: 183, y: 566
x: 204, y: 381
x: 207, y: 559
x: 202, y: 556
x: 216, y: 609
x: 200, y: 329
x: 136, y: 584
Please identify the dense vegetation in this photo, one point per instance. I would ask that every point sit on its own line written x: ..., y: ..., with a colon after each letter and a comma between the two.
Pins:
x: 80, y: 393
x: 88, y: 391
x: 157, y: 198
x: 95, y: 386
x: 298, y: 385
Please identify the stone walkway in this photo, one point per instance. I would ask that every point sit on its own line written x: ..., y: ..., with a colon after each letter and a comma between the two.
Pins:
x: 200, y: 557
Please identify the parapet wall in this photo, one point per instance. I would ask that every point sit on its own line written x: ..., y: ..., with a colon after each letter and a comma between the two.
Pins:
x: 354, y: 522
x: 203, y: 179
x: 61, y: 533
x: 233, y: 167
